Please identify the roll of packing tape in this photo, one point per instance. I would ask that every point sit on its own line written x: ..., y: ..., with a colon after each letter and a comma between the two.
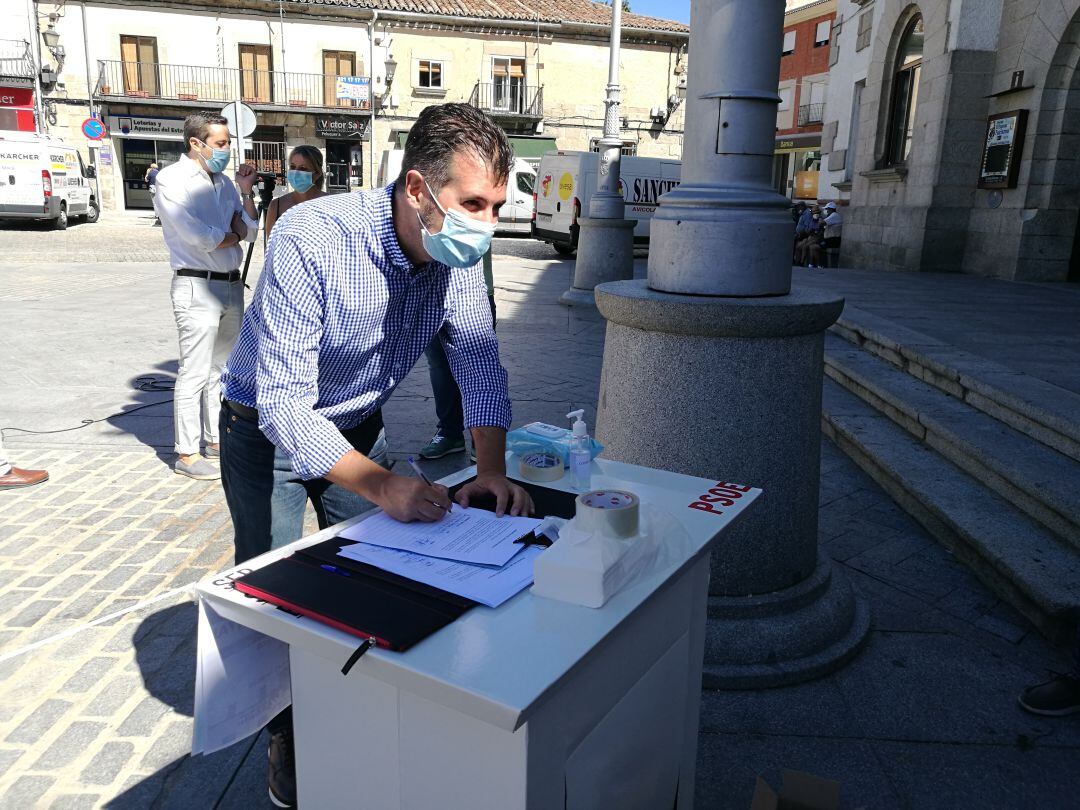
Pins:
x: 610, y: 512
x: 541, y: 467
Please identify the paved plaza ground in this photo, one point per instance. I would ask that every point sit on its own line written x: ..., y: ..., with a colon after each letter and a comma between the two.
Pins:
x: 97, y: 629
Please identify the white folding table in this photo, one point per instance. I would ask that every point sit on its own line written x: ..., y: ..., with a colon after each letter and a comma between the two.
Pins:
x: 538, y: 704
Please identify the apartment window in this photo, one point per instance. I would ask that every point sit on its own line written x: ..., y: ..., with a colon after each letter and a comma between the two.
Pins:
x: 338, y: 63
x: 430, y: 74
x: 138, y: 56
x: 821, y: 33
x: 866, y: 22
x: 256, y: 73
x: 508, y: 84
x: 789, y: 43
x: 786, y: 94
x: 905, y: 93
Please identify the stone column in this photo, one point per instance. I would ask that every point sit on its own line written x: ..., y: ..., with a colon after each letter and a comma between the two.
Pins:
x: 713, y: 366
x: 606, y: 240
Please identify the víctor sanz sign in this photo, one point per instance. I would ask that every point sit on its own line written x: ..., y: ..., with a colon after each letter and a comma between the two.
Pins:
x: 342, y: 126
x: 1003, y: 149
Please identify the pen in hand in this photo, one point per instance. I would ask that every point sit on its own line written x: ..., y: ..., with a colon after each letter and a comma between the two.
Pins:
x: 426, y: 480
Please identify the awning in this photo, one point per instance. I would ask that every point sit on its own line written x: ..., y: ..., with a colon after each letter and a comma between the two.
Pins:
x: 531, y: 148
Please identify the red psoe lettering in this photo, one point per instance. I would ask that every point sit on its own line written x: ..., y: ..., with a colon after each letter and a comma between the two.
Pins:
x: 705, y: 507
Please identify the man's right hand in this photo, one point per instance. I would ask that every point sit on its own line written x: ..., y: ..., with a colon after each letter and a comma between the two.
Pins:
x: 409, y: 499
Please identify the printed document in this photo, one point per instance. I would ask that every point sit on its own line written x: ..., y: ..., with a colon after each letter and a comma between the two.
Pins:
x: 483, y: 584
x: 472, y: 536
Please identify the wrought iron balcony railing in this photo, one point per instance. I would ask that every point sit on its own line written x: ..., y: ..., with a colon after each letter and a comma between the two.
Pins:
x: 509, y: 98
x: 811, y: 114
x: 154, y: 81
x: 16, y: 59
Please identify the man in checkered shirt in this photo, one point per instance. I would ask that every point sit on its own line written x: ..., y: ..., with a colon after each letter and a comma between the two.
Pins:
x: 348, y: 300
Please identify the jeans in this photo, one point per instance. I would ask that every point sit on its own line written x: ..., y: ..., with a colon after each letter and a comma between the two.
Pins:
x: 267, y: 500
x: 1075, y: 671
x: 445, y: 388
x: 208, y: 315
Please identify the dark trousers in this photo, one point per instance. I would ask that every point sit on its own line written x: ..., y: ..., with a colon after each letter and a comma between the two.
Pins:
x: 267, y: 499
x: 445, y: 388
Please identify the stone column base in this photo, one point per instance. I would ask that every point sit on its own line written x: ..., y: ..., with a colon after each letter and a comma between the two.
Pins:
x: 605, y: 253
x: 786, y: 637
x: 730, y: 389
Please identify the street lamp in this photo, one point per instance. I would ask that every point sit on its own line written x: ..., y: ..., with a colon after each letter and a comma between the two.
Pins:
x: 391, y: 69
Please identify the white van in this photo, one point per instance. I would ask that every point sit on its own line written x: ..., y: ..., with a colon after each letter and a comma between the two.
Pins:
x: 514, y: 217
x: 41, y: 178
x: 567, y: 180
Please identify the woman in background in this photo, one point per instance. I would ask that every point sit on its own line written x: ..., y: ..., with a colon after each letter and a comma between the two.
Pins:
x: 305, y: 177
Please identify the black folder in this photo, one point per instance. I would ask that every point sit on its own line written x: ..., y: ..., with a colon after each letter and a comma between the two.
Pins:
x: 366, y: 601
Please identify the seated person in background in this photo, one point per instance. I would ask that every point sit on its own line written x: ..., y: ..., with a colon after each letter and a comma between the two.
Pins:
x: 830, y: 235
x: 810, y: 236
x: 306, y: 180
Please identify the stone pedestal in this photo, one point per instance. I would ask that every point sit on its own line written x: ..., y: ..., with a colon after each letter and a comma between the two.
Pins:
x: 605, y: 253
x: 730, y: 389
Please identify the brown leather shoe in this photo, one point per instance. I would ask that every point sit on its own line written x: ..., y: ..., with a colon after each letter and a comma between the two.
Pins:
x: 22, y: 478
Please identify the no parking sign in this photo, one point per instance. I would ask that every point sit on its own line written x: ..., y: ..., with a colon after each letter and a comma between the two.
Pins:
x: 93, y: 128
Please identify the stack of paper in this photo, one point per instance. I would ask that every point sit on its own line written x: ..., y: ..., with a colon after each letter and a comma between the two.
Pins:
x: 470, y: 552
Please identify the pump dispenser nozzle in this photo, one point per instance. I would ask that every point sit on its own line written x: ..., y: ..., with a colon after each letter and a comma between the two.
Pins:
x: 580, y: 428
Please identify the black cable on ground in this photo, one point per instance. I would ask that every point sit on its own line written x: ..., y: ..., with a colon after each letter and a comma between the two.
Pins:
x: 147, y: 383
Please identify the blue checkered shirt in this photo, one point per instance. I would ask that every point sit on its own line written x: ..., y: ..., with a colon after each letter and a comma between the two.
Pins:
x: 340, y: 316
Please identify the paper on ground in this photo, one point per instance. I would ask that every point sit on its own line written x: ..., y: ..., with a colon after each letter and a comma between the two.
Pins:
x: 473, y: 536
x: 488, y: 586
x: 241, y: 681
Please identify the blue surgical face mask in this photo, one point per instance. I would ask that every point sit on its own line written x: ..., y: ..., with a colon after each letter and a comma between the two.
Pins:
x: 218, y: 161
x: 461, y: 242
x: 300, y: 180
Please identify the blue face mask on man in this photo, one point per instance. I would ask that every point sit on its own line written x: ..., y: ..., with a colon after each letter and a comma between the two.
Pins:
x: 461, y: 242
x: 218, y: 161
x: 300, y: 180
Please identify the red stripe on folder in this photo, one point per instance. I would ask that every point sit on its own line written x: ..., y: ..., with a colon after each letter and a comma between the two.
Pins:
x: 273, y: 599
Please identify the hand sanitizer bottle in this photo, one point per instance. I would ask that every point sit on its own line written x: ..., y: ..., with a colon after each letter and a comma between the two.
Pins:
x: 580, y: 452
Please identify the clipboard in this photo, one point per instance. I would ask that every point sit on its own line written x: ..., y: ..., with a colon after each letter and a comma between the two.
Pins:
x: 385, y: 609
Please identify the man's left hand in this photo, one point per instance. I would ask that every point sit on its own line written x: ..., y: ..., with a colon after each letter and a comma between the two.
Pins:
x: 506, y: 493
x: 246, y: 177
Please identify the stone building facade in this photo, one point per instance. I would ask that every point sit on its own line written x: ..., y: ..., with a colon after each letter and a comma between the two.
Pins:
x: 933, y: 74
x: 539, y: 68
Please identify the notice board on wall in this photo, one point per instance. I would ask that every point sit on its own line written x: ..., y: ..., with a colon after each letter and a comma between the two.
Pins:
x: 1002, y: 149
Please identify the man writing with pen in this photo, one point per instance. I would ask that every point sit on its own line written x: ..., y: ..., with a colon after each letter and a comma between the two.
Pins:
x: 354, y: 288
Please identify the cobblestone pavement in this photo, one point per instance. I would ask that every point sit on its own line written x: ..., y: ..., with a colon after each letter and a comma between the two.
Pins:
x: 97, y: 632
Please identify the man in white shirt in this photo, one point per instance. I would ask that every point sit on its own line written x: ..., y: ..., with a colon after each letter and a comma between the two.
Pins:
x: 204, y: 221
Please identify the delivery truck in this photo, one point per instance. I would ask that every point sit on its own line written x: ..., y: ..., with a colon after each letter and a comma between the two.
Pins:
x: 44, y: 179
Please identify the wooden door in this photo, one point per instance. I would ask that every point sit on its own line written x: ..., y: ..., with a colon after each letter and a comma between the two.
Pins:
x: 138, y: 56
x: 337, y: 63
x: 256, y: 73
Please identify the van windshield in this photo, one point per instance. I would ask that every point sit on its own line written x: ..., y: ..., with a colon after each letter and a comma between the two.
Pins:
x: 526, y: 182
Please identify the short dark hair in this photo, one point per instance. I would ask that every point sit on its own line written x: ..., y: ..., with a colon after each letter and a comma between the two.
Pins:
x: 197, y: 125
x: 444, y: 130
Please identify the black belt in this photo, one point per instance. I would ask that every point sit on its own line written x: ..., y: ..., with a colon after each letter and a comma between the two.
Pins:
x: 230, y: 276
x: 241, y: 410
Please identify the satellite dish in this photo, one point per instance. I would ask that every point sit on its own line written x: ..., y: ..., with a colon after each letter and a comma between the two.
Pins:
x: 241, y: 118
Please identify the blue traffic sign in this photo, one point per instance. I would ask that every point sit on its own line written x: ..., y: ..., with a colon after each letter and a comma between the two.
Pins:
x: 93, y: 128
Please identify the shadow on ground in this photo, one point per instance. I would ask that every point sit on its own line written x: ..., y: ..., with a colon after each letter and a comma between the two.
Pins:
x: 149, y: 417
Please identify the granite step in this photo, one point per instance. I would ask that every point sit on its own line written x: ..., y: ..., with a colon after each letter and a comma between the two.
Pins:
x: 1036, y: 478
x: 1016, y: 557
x: 1043, y: 411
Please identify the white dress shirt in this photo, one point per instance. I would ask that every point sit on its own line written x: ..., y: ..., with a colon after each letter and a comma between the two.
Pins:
x: 196, y: 209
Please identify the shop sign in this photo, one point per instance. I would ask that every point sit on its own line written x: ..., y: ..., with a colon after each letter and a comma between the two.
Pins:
x: 134, y: 126
x: 1003, y: 148
x: 16, y: 97
x: 341, y: 126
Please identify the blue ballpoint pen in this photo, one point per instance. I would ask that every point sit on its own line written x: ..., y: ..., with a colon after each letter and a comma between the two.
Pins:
x: 426, y: 480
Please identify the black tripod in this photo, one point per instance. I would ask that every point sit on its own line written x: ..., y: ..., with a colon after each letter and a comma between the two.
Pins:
x: 267, y: 184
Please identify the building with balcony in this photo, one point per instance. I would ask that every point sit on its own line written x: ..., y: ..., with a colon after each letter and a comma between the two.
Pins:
x: 804, y: 77
x: 17, y: 71
x: 349, y: 78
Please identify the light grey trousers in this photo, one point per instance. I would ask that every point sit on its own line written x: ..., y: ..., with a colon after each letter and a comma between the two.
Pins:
x: 208, y: 315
